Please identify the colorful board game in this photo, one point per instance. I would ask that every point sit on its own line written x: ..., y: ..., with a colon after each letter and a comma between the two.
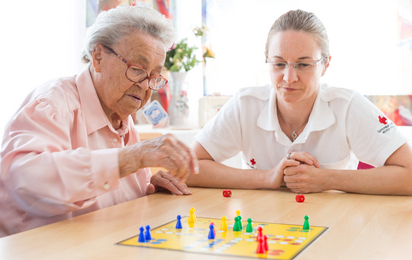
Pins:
x: 284, y: 241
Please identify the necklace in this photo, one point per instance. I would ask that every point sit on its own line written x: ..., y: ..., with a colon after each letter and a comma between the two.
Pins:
x: 294, y: 134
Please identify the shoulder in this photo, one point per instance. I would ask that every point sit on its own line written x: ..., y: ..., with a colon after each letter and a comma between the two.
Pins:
x: 329, y: 93
x: 60, y: 94
x: 260, y: 93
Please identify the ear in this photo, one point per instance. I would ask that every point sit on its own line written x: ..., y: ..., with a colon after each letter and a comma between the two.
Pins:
x: 326, y: 66
x: 97, y: 57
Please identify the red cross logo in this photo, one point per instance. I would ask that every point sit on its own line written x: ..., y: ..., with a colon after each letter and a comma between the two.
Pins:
x: 382, y: 120
x: 252, y: 161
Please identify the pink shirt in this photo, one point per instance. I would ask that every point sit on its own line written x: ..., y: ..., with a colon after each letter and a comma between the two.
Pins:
x: 59, y: 157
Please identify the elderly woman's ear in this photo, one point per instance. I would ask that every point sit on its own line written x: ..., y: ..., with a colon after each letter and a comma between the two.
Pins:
x: 97, y: 56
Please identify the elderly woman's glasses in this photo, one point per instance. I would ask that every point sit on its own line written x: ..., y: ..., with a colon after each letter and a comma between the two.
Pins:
x: 138, y: 74
x: 306, y: 66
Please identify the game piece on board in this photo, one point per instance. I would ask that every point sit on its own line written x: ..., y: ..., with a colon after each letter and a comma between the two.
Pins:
x: 306, y: 223
x: 142, y: 238
x: 179, y: 222
x: 236, y: 225
x: 211, y: 232
x: 223, y: 226
x: 265, y: 243
x: 227, y: 193
x: 300, y: 198
x: 249, y: 227
x: 237, y: 212
x: 261, y: 247
x: 214, y: 230
x: 194, y: 214
x: 259, y: 233
x: 240, y: 223
x: 148, y: 236
x: 192, y: 217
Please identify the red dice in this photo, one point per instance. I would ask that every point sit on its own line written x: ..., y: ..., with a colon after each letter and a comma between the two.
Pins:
x: 300, y: 198
x: 227, y: 193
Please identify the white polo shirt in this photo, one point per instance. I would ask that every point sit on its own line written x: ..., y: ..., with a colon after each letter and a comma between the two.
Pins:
x: 343, y: 128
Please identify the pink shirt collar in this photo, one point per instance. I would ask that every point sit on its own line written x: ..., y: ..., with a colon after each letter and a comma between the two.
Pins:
x: 91, y: 107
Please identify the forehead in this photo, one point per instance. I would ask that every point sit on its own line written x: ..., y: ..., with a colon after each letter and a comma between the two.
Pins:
x: 142, y: 48
x: 294, y: 45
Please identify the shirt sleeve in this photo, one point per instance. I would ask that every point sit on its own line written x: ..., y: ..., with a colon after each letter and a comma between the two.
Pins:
x: 371, y: 135
x: 221, y: 136
x: 42, y: 173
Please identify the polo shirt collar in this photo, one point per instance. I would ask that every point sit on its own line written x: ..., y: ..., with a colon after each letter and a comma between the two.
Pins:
x: 268, y: 118
x: 321, y: 117
x: 91, y: 107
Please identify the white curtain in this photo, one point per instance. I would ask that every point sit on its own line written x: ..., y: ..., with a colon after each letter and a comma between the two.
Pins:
x: 40, y: 40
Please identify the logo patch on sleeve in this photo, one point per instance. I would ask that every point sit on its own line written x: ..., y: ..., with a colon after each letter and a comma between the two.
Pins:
x: 384, y: 121
x: 252, y: 163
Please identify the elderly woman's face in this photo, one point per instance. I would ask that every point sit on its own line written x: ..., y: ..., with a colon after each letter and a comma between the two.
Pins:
x: 292, y: 85
x: 116, y: 92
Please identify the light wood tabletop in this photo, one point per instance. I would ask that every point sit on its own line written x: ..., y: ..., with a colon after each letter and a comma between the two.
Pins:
x: 360, y: 226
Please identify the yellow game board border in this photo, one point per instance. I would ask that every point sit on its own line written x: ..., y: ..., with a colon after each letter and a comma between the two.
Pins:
x: 206, y: 253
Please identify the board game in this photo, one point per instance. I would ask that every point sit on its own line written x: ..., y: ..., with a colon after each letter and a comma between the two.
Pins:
x: 284, y: 241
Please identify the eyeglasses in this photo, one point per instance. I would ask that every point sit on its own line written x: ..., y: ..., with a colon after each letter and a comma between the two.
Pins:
x: 306, y: 66
x: 138, y: 74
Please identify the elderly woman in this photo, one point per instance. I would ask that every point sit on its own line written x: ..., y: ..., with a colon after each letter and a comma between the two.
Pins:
x: 309, y: 135
x: 71, y: 148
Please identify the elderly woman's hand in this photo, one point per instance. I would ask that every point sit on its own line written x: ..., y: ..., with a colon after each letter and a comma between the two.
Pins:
x: 162, y: 181
x: 165, y: 151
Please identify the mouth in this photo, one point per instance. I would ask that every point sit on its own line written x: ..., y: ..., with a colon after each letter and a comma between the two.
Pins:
x: 135, y: 97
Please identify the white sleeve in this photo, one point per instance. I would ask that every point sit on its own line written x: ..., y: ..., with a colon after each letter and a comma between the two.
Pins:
x: 221, y: 136
x: 371, y: 135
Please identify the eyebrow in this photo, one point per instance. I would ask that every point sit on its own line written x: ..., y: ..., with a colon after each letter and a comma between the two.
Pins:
x: 145, y: 61
x: 300, y: 58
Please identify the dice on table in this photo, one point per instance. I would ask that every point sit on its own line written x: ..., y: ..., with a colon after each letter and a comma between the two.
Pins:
x: 227, y: 193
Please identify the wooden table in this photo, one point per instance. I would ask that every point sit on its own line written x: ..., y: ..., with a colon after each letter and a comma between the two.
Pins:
x: 361, y: 226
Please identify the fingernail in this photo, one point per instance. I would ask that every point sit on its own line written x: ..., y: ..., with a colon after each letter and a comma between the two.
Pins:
x: 187, y: 192
x: 197, y: 170
x: 311, y: 162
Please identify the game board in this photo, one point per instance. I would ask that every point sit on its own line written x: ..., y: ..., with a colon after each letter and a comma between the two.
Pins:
x: 284, y: 241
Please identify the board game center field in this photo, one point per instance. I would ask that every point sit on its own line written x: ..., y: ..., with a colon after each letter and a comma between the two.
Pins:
x: 238, y: 237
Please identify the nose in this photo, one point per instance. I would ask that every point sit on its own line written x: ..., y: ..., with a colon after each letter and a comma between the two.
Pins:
x: 144, y: 85
x: 289, y: 74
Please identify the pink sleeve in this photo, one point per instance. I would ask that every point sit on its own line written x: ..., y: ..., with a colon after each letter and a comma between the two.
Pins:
x: 41, y: 171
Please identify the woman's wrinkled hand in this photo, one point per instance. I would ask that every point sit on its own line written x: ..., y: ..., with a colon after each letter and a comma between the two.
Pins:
x: 164, y: 151
x: 162, y: 181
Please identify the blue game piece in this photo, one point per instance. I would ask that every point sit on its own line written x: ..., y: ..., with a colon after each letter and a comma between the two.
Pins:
x: 211, y: 232
x: 179, y: 222
x: 142, y: 238
x: 148, y: 236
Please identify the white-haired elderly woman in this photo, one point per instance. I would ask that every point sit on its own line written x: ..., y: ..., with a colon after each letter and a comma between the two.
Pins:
x: 309, y: 135
x: 71, y: 147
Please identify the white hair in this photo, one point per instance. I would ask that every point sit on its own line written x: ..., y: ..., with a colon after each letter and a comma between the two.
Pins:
x: 115, y: 24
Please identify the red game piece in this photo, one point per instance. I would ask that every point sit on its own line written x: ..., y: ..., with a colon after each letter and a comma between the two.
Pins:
x: 261, y: 247
x: 300, y: 198
x: 227, y: 193
x: 259, y: 233
x: 265, y: 243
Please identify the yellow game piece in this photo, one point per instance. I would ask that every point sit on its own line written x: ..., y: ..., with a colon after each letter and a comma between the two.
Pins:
x: 237, y: 212
x: 223, y: 226
x: 194, y: 214
x: 192, y: 218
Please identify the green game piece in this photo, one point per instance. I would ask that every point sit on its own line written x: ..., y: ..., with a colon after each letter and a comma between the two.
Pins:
x: 306, y: 223
x: 240, y: 223
x: 236, y: 225
x: 249, y: 227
